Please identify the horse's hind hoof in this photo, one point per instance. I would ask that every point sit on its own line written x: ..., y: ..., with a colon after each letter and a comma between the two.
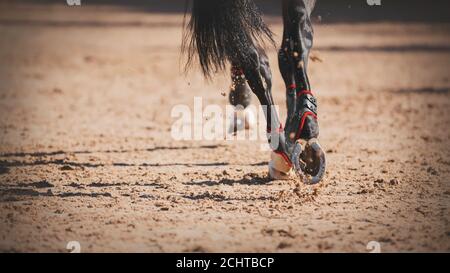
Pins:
x: 309, y: 161
x: 241, y: 120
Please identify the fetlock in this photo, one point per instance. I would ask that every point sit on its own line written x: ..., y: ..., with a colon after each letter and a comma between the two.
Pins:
x: 304, y: 124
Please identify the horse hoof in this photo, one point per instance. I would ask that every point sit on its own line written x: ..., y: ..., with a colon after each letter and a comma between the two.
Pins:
x: 275, y: 174
x: 279, y: 169
x: 309, y: 161
x: 242, y: 120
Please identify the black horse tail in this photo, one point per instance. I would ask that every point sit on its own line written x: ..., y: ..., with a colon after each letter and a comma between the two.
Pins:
x: 221, y: 31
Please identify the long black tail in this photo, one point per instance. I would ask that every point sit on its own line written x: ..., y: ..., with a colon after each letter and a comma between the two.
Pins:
x: 221, y: 31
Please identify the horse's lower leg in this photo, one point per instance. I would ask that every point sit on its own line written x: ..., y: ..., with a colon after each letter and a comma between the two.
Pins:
x: 259, y: 77
x: 240, y: 93
x: 293, y: 59
x: 287, y: 71
x: 302, y: 122
x: 240, y: 98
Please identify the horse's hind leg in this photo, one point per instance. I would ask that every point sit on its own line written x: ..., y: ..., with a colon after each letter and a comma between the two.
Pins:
x: 302, y: 127
x: 240, y: 94
x: 259, y: 77
x: 240, y: 98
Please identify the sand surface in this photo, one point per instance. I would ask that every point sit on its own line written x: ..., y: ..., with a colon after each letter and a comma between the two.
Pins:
x: 86, y: 152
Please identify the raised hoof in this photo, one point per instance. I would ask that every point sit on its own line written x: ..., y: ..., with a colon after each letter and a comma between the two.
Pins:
x: 242, y: 120
x: 279, y: 169
x: 309, y: 161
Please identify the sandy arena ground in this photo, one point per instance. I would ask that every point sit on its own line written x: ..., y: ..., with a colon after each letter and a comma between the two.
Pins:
x: 86, y: 152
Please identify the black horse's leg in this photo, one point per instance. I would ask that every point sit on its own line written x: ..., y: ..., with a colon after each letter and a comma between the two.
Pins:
x: 240, y: 93
x: 259, y: 77
x: 301, y: 125
x: 293, y: 60
x: 286, y: 66
x: 240, y: 98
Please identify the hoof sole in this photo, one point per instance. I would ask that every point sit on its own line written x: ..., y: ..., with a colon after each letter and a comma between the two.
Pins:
x: 309, y: 161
